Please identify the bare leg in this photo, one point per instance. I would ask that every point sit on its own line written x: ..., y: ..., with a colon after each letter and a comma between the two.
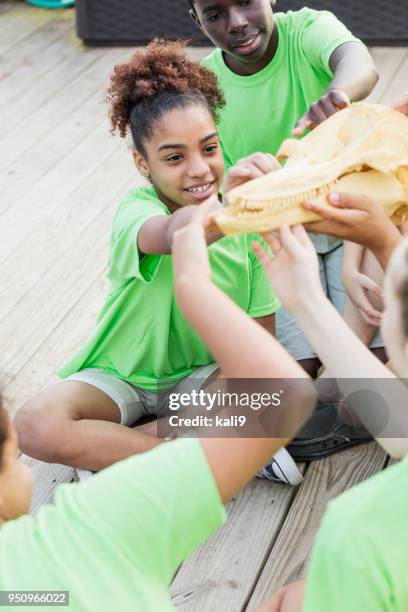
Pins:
x: 77, y: 424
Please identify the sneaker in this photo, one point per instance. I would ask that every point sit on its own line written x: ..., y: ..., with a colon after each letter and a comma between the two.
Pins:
x: 82, y: 475
x: 282, y: 468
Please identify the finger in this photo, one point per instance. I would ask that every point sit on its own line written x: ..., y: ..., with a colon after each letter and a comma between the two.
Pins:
x: 369, y: 285
x: 238, y: 172
x: 370, y: 314
x: 339, y: 98
x: 374, y: 321
x: 316, y: 113
x: 212, y: 204
x: 324, y: 210
x: 304, y: 123
x: 302, y: 236
x: 290, y: 241
x: 265, y: 162
x: 345, y: 200
x: 273, y: 241
x: 328, y: 107
x: 262, y: 254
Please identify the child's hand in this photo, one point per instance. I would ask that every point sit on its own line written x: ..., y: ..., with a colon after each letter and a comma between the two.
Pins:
x: 189, y: 246
x: 357, y: 286
x: 359, y: 219
x: 288, y: 599
x: 248, y: 168
x: 293, y: 269
x: 333, y: 101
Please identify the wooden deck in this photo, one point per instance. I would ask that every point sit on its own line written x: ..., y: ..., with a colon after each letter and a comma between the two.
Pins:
x: 61, y: 175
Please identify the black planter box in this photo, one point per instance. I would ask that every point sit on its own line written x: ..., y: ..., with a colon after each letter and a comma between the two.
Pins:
x: 136, y: 22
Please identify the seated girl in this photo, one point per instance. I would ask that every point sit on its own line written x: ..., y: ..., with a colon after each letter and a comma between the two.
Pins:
x: 143, y: 347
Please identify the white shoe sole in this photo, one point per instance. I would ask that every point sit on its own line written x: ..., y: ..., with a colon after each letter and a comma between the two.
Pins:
x: 284, y: 468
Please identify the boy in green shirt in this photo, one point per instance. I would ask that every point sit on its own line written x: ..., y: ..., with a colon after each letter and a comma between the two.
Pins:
x: 282, y: 74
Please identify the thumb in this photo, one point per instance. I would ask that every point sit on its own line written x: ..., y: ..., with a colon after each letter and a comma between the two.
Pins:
x: 369, y: 285
x: 345, y: 200
x: 340, y: 99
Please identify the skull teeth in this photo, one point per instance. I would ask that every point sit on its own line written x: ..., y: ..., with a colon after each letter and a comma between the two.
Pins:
x: 252, y: 206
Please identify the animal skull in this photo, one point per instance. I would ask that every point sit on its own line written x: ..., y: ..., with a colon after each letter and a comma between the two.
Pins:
x: 362, y: 149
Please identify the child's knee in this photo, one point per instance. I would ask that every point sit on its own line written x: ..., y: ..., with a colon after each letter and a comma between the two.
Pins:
x: 38, y: 427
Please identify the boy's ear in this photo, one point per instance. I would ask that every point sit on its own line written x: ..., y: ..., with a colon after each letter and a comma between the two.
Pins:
x: 141, y: 164
x: 195, y: 18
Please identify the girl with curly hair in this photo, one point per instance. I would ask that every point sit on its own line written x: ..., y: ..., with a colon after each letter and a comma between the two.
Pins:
x: 143, y: 348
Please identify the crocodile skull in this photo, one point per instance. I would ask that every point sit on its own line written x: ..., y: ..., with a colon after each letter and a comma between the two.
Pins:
x: 362, y: 149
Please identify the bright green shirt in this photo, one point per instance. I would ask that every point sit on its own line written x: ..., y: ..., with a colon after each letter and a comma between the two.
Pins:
x: 116, y: 541
x: 142, y: 336
x: 360, y: 559
x: 262, y: 109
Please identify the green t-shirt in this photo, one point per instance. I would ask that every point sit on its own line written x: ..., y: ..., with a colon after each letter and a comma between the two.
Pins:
x: 360, y: 559
x: 116, y: 541
x: 262, y: 109
x: 142, y: 336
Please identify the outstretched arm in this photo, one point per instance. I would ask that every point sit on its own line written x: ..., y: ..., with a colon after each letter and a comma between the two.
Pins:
x: 295, y: 265
x: 354, y: 77
x: 242, y: 348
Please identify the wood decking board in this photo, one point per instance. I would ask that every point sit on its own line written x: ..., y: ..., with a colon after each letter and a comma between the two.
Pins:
x: 46, y: 477
x: 22, y: 22
x: 324, y: 480
x: 22, y: 65
x: 388, y: 61
x: 67, y: 111
x: 221, y: 573
x: 61, y: 177
x: 75, y: 265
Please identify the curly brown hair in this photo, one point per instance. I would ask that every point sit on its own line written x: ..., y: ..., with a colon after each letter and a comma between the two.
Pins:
x: 155, y: 81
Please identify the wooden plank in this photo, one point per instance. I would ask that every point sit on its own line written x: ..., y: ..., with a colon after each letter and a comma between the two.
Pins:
x: 46, y: 477
x: 220, y: 574
x: 53, y: 150
x: 47, y: 88
x: 23, y: 21
x: 324, y: 480
x: 44, y: 49
x: 57, y: 347
x: 75, y: 264
x: 60, y: 235
x: 399, y: 82
x: 388, y: 61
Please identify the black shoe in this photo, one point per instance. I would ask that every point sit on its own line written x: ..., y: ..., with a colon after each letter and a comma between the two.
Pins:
x: 326, y: 434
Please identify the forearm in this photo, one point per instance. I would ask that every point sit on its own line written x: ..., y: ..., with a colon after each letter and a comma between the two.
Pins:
x: 243, y: 349
x: 380, y: 404
x: 384, y: 251
x: 352, y: 257
x: 354, y: 71
x: 335, y: 344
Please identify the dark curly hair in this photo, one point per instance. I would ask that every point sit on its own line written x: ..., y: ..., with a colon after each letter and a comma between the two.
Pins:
x: 156, y: 81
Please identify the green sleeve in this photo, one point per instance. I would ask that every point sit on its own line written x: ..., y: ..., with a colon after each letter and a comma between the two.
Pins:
x: 155, y: 508
x: 264, y: 300
x: 346, y: 572
x: 322, y: 34
x: 125, y: 261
